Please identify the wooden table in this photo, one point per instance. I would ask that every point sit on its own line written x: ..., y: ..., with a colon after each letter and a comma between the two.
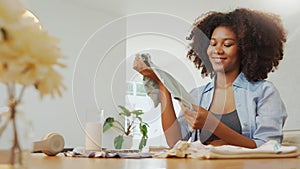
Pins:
x: 40, y: 161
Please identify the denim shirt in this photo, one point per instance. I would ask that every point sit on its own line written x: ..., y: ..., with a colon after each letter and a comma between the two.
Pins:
x: 259, y: 106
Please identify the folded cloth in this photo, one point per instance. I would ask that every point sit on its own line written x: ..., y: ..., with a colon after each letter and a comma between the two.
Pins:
x: 271, y: 149
x: 86, y: 155
x: 103, y: 154
x: 81, y: 152
x: 152, y: 90
x: 150, y: 85
x: 174, y: 87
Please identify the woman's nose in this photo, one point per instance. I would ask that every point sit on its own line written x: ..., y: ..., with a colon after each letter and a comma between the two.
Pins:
x: 218, y: 49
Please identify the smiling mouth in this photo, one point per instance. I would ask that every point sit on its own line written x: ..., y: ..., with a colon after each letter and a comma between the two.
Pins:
x: 219, y: 59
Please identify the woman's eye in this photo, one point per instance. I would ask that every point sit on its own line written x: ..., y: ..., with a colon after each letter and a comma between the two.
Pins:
x: 227, y: 45
x: 212, y: 44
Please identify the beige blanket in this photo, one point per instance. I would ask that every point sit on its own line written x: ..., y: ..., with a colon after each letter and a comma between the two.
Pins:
x: 271, y: 149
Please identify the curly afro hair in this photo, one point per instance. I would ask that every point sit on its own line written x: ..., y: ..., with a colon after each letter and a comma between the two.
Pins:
x: 260, y: 35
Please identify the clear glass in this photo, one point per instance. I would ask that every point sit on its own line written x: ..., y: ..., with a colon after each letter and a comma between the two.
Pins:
x: 20, y: 157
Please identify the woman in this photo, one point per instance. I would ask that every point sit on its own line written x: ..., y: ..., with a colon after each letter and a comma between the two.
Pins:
x: 238, y: 107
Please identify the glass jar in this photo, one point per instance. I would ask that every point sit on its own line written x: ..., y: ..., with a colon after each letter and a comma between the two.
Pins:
x: 15, y: 132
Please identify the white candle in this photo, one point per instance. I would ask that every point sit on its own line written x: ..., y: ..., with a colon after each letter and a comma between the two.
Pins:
x: 93, y: 136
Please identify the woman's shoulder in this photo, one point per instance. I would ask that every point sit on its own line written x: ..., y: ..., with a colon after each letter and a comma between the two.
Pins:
x: 262, y: 85
x: 254, y: 86
x: 263, y: 89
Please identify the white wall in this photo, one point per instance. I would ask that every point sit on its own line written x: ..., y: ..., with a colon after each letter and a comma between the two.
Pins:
x: 88, y: 69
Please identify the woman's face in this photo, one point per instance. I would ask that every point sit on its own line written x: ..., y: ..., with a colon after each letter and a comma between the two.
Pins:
x: 223, y: 50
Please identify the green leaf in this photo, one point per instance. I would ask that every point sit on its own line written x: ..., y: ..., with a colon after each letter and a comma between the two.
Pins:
x: 143, y: 143
x: 146, y: 124
x: 144, y: 130
x: 125, y: 112
x: 118, y: 141
x: 108, y: 123
x: 137, y: 112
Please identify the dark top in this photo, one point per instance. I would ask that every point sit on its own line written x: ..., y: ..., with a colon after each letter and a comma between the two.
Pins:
x: 230, y: 119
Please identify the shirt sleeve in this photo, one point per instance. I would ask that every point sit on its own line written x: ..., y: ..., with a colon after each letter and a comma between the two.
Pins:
x: 271, y: 116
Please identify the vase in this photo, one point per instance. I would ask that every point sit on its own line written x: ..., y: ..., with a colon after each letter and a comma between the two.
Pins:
x: 15, y: 139
x: 127, y: 143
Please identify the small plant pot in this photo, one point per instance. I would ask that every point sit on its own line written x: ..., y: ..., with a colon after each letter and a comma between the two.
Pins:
x: 127, y: 143
x: 132, y: 120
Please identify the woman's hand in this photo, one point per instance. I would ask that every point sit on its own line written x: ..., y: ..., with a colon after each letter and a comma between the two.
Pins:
x: 142, y: 68
x: 199, y: 118
x: 139, y: 64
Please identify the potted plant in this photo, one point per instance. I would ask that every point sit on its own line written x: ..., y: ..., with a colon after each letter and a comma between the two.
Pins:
x: 131, y: 118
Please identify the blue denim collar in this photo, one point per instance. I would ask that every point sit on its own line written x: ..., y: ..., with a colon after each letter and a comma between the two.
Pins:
x: 240, y: 81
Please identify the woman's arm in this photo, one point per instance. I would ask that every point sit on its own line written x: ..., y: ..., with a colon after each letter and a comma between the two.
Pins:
x: 230, y: 136
x: 204, y: 120
x: 169, y: 120
x: 271, y: 115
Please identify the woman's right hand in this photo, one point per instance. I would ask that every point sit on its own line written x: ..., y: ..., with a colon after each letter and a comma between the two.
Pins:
x: 199, y: 118
x: 142, y: 68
